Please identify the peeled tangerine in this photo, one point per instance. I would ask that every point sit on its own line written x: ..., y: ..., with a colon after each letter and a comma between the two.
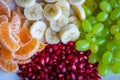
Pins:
x: 28, y: 49
x: 9, y: 66
x: 5, y: 38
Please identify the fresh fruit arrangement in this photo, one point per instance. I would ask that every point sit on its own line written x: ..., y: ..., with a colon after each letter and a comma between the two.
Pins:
x: 60, y: 39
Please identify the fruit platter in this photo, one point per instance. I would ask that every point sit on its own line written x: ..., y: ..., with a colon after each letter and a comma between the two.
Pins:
x: 59, y: 39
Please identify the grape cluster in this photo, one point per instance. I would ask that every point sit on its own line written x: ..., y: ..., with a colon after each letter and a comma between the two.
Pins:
x: 100, y: 32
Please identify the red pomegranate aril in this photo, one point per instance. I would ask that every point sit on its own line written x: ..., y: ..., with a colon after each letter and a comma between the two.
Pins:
x: 47, y: 59
x: 82, y: 65
x: 85, y: 58
x: 54, y: 57
x: 81, y: 71
x: 80, y: 77
x: 71, y: 43
x: 87, y: 71
x: 68, y: 51
x: 57, y: 52
x: 36, y: 60
x: 75, y: 59
x: 42, y: 74
x: 73, y: 67
x: 29, y: 75
x: 69, y: 57
x: 20, y: 74
x: 60, y: 66
x: 61, y: 75
x: 23, y: 67
x: 90, y: 65
x: 33, y: 76
x: 50, y: 62
x: 97, y: 78
x: 73, y: 77
x: 30, y: 69
x: 38, y: 67
x: 81, y: 58
x: 55, y: 47
x: 66, y: 61
x: 63, y: 57
x: 25, y: 78
x: 68, y: 77
x: 87, y: 77
x: 63, y: 69
x: 42, y: 61
x: 88, y: 52
x: 45, y: 69
x: 53, y: 73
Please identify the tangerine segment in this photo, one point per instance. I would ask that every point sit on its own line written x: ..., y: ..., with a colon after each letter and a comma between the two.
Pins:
x: 6, y: 55
x: 4, y: 9
x: 24, y: 35
x: 3, y: 18
x: 27, y: 50
x: 23, y: 61
x: 5, y: 39
x: 41, y: 46
x: 15, y: 22
x: 9, y: 66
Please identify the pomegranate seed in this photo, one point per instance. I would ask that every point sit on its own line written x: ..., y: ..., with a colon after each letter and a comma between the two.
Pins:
x: 61, y: 75
x: 73, y: 77
x: 68, y: 51
x: 55, y: 47
x: 57, y: 52
x: 75, y: 59
x: 42, y: 74
x: 81, y: 71
x: 70, y: 43
x: 73, y: 67
x: 63, y: 69
x: 42, y: 61
x: 46, y: 59
x: 69, y: 57
x: 68, y: 77
x: 33, y: 76
x: 81, y: 65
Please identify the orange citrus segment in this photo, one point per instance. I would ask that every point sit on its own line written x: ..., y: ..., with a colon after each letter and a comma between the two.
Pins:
x: 4, y: 9
x: 15, y: 22
x: 23, y: 61
x: 9, y: 66
x: 6, y: 55
x: 3, y: 18
x: 24, y: 35
x: 5, y: 39
x: 41, y: 46
x: 28, y: 49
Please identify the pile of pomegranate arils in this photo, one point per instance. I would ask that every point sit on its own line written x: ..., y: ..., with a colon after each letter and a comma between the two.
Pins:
x: 59, y: 62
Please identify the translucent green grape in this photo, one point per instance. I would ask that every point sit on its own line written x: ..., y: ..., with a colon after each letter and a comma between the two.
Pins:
x: 90, y: 37
x: 97, y: 28
x: 114, y: 3
x: 116, y: 68
x: 94, y: 47
x: 110, y: 45
x: 101, y: 41
x: 87, y: 26
x: 103, y: 69
x: 105, y: 6
x: 108, y: 22
x: 93, y: 58
x: 102, y: 16
x: 118, y: 22
x: 107, y: 57
x: 117, y: 55
x: 92, y: 19
x: 82, y: 45
x: 87, y: 11
x: 114, y: 29
x: 115, y: 14
x: 102, y: 50
x: 105, y: 32
x: 117, y: 40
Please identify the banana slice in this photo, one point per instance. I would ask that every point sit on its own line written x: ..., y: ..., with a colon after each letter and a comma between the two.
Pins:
x: 50, y: 1
x: 25, y: 3
x: 79, y: 10
x: 34, y: 12
x: 76, y: 2
x: 60, y: 23
x: 74, y: 20
x: 52, y: 12
x: 65, y: 7
x: 69, y: 33
x: 37, y: 30
x: 51, y: 36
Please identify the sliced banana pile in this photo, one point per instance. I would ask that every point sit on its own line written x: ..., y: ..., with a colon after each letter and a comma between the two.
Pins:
x: 52, y: 20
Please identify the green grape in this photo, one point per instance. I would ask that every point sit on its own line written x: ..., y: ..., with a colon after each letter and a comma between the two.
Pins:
x: 87, y: 26
x: 105, y: 32
x: 105, y: 6
x: 102, y: 16
x: 101, y: 41
x: 114, y: 29
x: 117, y: 55
x: 93, y: 58
x: 97, y: 28
x: 94, y: 47
x: 114, y: 3
x: 117, y: 40
x: 82, y: 45
x: 107, y: 57
x: 115, y: 14
x: 90, y: 37
x: 103, y: 69
x: 101, y: 51
x: 110, y: 45
x: 87, y: 11
x: 118, y: 22
x: 108, y: 22
x: 92, y: 19
x: 116, y: 68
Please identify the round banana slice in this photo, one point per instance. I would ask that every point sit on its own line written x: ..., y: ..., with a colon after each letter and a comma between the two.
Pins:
x: 69, y: 33
x: 50, y: 1
x: 37, y: 30
x: 52, y: 12
x: 58, y: 24
x: 51, y: 36
x: 65, y: 7
x: 34, y: 12
x: 76, y: 2
x: 25, y: 3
